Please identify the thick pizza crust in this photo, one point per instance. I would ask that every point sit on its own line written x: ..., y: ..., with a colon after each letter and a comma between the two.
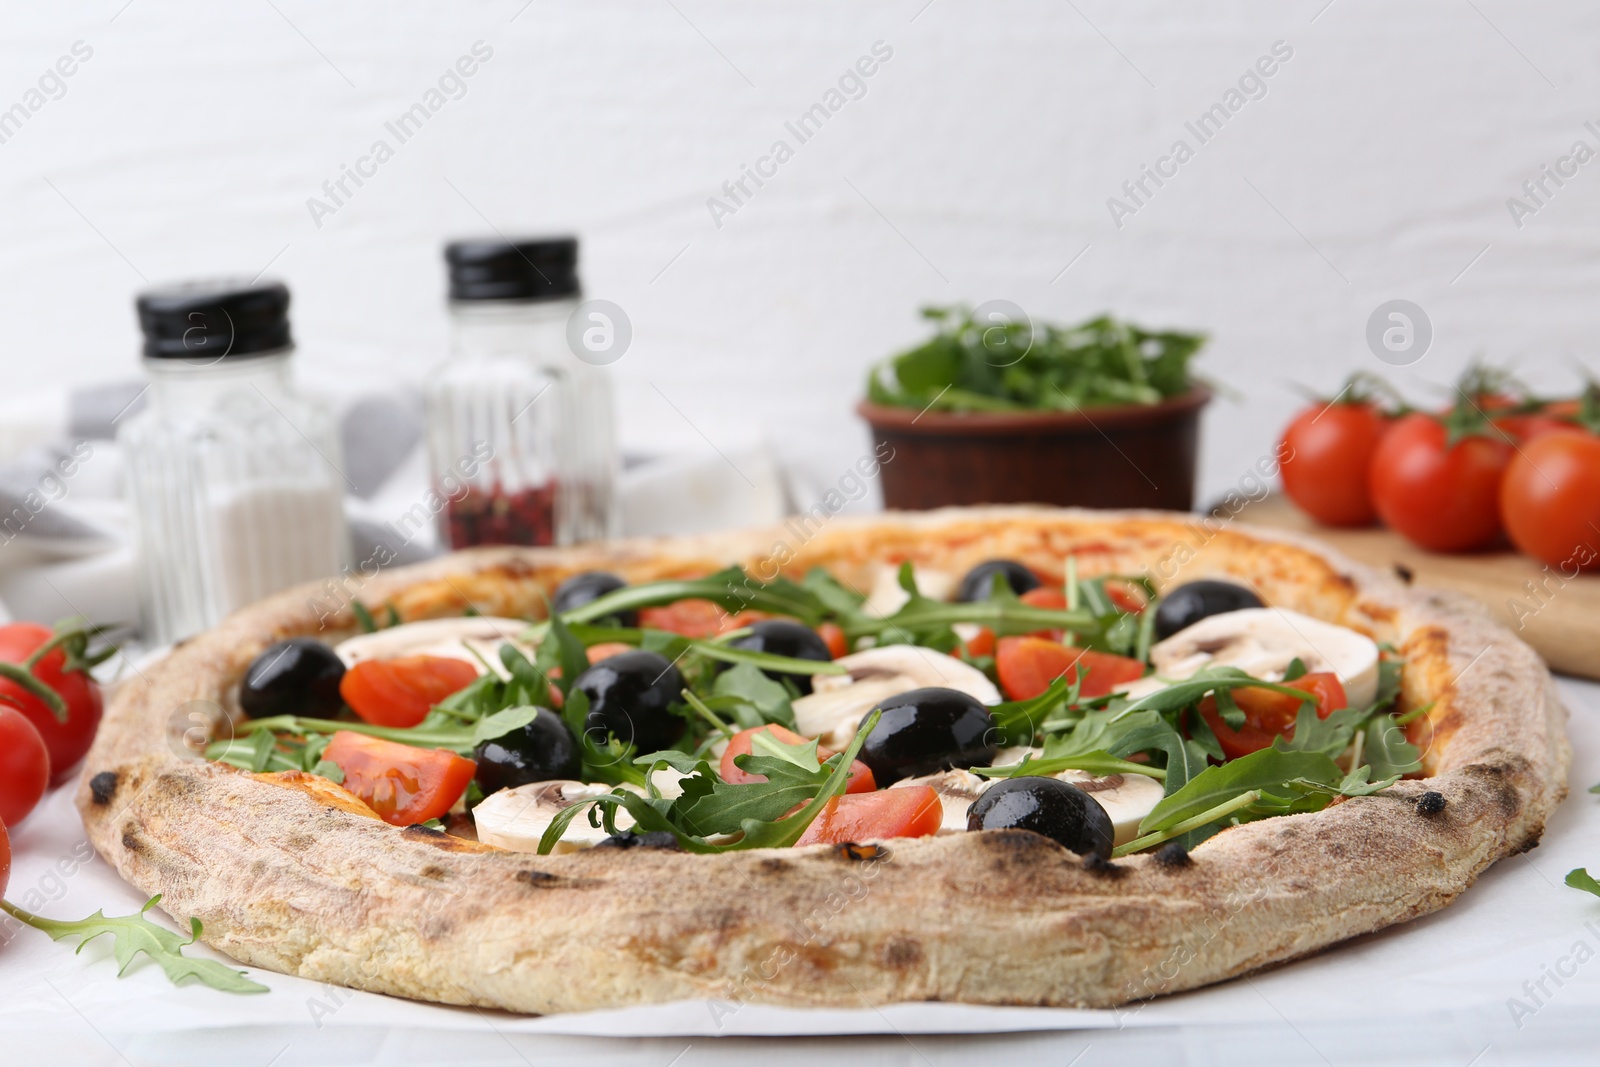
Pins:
x: 285, y: 882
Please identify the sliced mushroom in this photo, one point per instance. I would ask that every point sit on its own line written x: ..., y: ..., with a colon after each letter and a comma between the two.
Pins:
x: 517, y: 818
x: 1263, y: 642
x: 886, y: 596
x: 450, y: 638
x: 1127, y: 798
x: 838, y: 702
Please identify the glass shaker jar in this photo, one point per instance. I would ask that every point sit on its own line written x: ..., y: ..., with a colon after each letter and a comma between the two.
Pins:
x: 521, y: 434
x: 233, y: 479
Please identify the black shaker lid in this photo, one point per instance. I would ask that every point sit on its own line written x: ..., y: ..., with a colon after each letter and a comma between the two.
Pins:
x: 215, y: 319
x: 537, y: 268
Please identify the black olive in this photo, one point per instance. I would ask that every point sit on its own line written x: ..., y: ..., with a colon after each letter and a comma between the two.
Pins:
x: 927, y: 730
x: 1048, y: 806
x: 979, y: 582
x: 629, y: 694
x: 542, y: 751
x: 782, y: 637
x: 649, y: 839
x: 1187, y: 604
x: 589, y: 586
x: 296, y: 677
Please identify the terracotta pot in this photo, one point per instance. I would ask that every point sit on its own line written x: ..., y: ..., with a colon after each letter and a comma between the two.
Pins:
x: 1127, y: 456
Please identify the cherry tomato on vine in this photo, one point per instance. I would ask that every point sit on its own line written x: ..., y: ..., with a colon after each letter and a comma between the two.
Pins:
x: 1550, y: 499
x: 1326, y: 453
x: 5, y: 859
x: 68, y: 741
x: 24, y: 767
x: 400, y: 692
x: 1444, y: 497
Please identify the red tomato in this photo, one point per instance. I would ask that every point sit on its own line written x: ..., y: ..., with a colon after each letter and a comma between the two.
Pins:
x: 24, y: 766
x: 905, y: 811
x: 1443, y: 498
x: 833, y: 636
x: 605, y: 649
x: 1268, y: 714
x: 688, y: 618
x: 1327, y: 451
x: 1027, y: 666
x: 5, y: 859
x: 1550, y: 499
x: 67, y: 742
x: 403, y: 784
x: 742, y: 744
x: 982, y: 643
x: 400, y: 692
x: 1046, y: 596
x: 1125, y: 597
x: 1532, y: 426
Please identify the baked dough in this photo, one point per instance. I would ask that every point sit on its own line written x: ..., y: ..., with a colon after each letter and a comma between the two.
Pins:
x: 284, y: 881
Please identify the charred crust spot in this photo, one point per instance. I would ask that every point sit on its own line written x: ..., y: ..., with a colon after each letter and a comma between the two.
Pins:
x: 102, y: 787
x: 1404, y: 573
x: 1430, y: 803
x: 130, y: 838
x: 1173, y: 856
x: 772, y: 865
x: 441, y: 840
x: 861, y: 853
x: 426, y: 833
x: 434, y: 873
x: 1094, y: 864
x: 658, y: 839
x: 538, y: 879
x: 902, y: 952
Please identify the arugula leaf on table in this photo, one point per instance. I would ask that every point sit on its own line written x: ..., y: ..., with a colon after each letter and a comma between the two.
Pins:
x: 134, y: 934
x: 1580, y: 878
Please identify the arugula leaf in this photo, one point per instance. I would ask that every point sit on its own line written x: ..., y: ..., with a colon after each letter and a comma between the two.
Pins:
x: 832, y: 595
x: 1330, y: 736
x: 973, y: 365
x: 1580, y: 878
x: 1296, y: 669
x: 1266, y: 770
x: 1018, y: 720
x: 363, y: 617
x: 1189, y: 691
x: 134, y: 934
x: 502, y: 722
x: 1097, y: 763
x: 1387, y: 750
x: 329, y: 770
x: 573, y: 655
x: 754, y: 698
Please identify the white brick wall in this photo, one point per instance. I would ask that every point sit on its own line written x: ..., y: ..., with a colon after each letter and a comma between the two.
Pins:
x: 977, y: 164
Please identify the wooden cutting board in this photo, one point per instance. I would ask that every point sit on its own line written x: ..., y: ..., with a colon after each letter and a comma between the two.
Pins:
x: 1558, y: 616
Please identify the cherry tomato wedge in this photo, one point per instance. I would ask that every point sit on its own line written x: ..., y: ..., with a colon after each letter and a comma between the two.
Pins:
x: 905, y: 811
x: 742, y: 743
x: 1269, y: 714
x: 982, y: 643
x: 1027, y: 666
x: 605, y: 649
x: 696, y: 618
x: 833, y: 636
x: 1125, y: 597
x: 400, y: 692
x: 403, y: 784
x: 68, y: 741
x: 24, y: 766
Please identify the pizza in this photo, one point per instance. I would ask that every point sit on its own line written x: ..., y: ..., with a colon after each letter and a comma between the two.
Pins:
x: 1018, y: 756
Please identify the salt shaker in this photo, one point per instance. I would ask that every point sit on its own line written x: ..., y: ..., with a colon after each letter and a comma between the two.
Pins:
x: 233, y: 478
x: 521, y: 435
